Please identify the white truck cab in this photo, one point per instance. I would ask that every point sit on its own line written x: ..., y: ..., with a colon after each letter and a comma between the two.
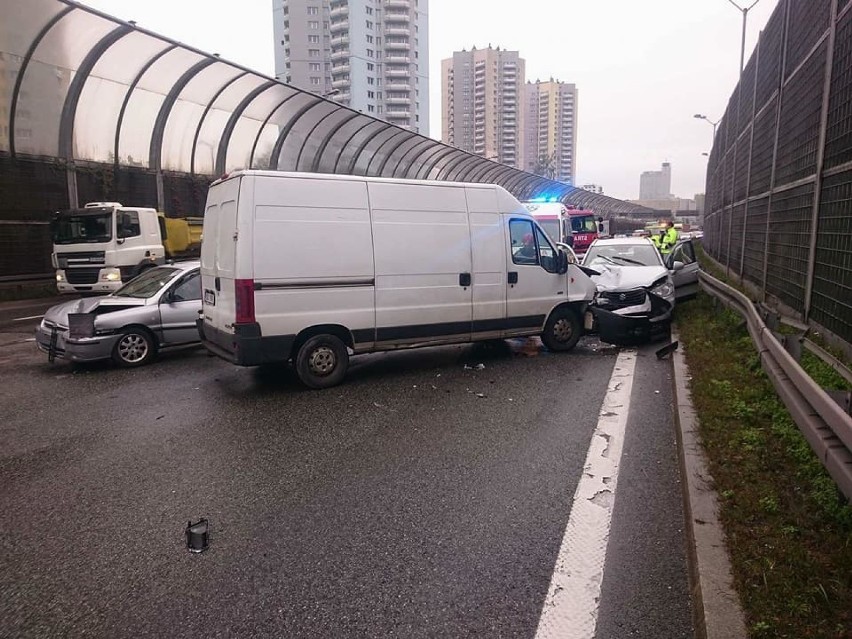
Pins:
x: 100, y: 247
x: 311, y: 268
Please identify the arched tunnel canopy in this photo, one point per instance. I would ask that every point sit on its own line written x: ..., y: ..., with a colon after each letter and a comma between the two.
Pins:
x: 82, y: 86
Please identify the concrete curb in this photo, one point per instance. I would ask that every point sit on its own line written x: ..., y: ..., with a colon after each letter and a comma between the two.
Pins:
x: 717, y: 613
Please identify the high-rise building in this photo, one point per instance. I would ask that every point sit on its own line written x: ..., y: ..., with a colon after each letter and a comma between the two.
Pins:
x: 551, y: 129
x: 656, y: 185
x: 482, y: 111
x: 371, y: 55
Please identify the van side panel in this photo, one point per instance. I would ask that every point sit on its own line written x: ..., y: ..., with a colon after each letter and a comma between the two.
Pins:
x: 488, y: 242
x: 313, y: 257
x: 422, y: 252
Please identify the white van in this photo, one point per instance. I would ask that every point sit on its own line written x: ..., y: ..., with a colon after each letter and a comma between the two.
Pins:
x: 311, y: 268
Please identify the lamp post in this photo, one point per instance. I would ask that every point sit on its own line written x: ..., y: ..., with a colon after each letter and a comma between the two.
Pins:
x: 699, y: 116
x: 744, y: 11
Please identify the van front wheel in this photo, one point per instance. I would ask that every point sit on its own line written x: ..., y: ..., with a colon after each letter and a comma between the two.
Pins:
x: 562, y: 331
x: 322, y: 361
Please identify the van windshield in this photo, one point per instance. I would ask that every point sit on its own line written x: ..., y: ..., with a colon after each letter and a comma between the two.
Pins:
x: 75, y: 227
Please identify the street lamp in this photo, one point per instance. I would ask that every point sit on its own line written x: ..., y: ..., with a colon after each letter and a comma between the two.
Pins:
x: 715, y: 124
x: 744, y: 11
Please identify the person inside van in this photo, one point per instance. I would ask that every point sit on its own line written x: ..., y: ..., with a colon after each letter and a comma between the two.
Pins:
x: 528, y: 250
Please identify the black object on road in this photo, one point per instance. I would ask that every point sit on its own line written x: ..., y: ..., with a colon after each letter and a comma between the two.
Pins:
x: 667, y: 350
x: 198, y: 535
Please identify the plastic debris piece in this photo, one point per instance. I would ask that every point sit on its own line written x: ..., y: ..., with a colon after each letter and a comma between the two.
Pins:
x: 198, y: 535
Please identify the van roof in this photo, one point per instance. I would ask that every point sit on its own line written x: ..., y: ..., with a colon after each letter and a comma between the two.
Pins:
x: 348, y: 178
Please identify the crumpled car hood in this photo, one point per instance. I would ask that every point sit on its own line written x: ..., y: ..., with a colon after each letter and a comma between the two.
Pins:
x: 624, y: 278
x: 59, y: 314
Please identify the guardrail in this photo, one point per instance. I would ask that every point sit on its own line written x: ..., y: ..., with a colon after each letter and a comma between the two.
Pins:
x: 821, y: 420
x: 20, y: 279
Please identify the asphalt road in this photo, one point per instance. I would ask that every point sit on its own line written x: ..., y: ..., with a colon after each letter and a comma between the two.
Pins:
x: 419, y: 499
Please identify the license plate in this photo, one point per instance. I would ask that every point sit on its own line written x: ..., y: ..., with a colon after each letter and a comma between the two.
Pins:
x: 210, y: 298
x: 589, y: 322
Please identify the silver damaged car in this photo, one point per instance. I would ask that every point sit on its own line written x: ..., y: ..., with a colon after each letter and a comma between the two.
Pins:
x: 155, y: 310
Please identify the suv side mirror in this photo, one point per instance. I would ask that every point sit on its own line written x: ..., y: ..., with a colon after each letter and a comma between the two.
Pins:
x: 678, y: 266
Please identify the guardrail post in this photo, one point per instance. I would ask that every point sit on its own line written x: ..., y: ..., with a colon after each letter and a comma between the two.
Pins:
x: 823, y: 128
x: 783, y: 70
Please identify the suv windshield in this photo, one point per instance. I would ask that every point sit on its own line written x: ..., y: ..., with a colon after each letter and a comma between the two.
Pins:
x: 148, y: 284
x: 624, y: 255
x: 584, y: 224
x: 78, y: 226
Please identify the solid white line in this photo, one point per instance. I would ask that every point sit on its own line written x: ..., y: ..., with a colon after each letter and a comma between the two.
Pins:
x: 24, y: 319
x: 571, y: 607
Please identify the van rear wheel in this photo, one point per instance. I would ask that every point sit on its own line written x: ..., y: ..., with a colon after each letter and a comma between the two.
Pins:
x: 322, y: 361
x: 562, y: 331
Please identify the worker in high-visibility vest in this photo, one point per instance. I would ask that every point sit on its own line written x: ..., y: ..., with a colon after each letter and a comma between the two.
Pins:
x: 669, y: 239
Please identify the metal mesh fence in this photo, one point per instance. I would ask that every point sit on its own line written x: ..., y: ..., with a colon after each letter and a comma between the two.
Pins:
x: 755, y: 240
x: 838, y: 144
x: 790, y: 215
x: 832, y: 296
x: 763, y: 193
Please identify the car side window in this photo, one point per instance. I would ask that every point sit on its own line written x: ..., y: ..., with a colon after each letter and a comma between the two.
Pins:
x: 189, y: 289
x: 127, y: 224
x: 546, y: 253
x: 522, y: 237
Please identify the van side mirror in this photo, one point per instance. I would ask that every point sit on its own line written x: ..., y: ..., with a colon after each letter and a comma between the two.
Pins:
x: 562, y: 263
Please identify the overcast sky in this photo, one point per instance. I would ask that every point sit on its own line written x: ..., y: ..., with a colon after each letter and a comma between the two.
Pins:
x: 643, y: 67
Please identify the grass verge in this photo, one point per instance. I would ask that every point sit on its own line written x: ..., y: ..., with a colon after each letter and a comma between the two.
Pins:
x: 788, y: 528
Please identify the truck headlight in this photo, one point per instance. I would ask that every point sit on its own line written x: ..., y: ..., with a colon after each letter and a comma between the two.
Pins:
x: 111, y: 276
x: 59, y: 277
x: 664, y: 290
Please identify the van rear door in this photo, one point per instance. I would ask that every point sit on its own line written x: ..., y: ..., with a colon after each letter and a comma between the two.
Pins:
x: 218, y: 257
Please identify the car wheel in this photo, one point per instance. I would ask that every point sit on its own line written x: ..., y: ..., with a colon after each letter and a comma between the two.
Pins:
x: 562, y: 331
x: 135, y: 347
x: 322, y: 361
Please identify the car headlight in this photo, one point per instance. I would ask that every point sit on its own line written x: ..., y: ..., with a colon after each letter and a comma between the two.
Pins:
x: 663, y: 289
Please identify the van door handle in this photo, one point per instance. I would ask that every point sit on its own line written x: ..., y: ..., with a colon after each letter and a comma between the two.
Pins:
x: 217, y: 284
x: 464, y: 279
x: 513, y: 277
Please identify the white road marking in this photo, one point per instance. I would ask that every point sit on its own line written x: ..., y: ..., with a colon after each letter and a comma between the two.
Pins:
x: 24, y: 319
x: 571, y: 607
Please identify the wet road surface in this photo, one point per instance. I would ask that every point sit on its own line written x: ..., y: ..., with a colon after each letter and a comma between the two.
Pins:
x: 420, y: 498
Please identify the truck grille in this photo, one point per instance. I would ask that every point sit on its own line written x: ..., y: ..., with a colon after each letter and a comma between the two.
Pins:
x: 82, y: 257
x: 82, y: 275
x: 623, y: 299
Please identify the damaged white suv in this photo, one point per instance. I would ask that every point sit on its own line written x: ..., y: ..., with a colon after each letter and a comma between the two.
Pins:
x: 636, y: 291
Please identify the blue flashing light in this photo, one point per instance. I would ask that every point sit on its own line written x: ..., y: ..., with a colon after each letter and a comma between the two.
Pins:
x: 538, y: 199
x: 552, y: 199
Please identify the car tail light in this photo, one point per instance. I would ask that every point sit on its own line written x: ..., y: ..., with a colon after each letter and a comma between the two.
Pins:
x: 244, y: 301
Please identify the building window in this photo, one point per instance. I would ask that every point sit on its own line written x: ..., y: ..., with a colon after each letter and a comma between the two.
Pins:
x: 370, y: 81
x: 315, y: 66
x: 370, y: 39
x: 313, y: 39
x: 313, y: 11
x: 369, y: 11
x: 371, y: 94
x: 369, y: 24
x: 313, y: 24
x: 371, y: 108
x: 369, y: 53
x: 313, y: 53
x: 315, y: 81
x: 370, y: 66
